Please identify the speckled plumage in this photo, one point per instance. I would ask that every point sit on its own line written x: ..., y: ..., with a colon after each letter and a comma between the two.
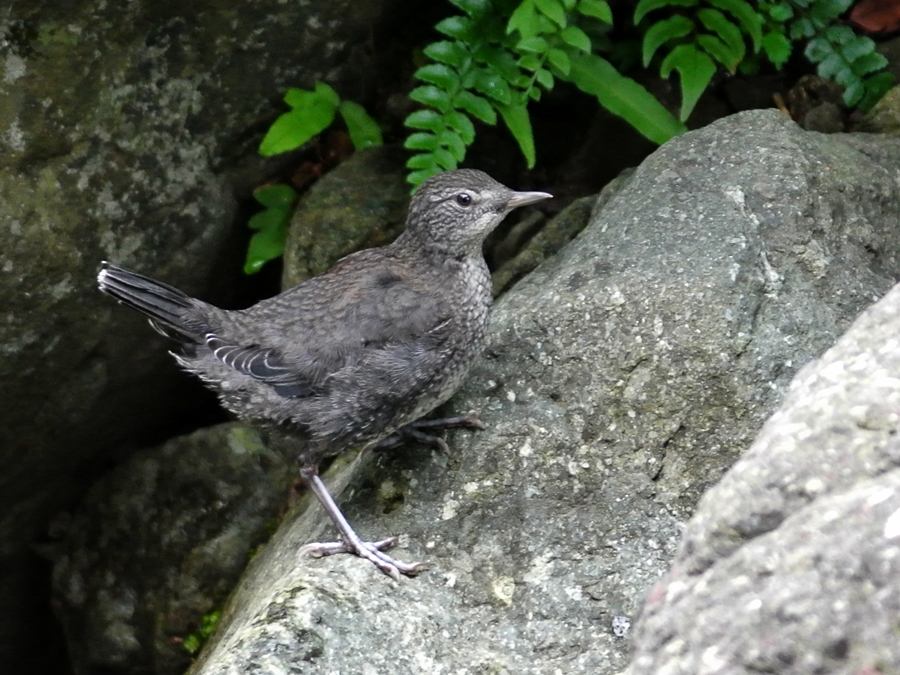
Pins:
x: 350, y: 356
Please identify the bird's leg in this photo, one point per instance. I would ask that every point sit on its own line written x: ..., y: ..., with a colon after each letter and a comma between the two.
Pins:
x: 350, y: 541
x: 419, y: 431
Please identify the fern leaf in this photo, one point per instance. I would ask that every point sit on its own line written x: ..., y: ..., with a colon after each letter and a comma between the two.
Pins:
x: 645, y: 6
x: 747, y: 17
x: 658, y: 34
x: 695, y: 69
x: 518, y: 122
x: 624, y: 97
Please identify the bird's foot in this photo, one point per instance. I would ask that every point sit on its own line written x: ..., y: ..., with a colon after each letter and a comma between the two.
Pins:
x: 350, y: 541
x: 373, y: 551
x: 419, y: 431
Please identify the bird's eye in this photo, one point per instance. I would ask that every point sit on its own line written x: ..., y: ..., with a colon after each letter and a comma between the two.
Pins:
x: 463, y: 199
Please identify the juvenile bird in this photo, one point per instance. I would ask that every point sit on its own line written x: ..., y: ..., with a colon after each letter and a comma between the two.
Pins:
x: 357, y: 354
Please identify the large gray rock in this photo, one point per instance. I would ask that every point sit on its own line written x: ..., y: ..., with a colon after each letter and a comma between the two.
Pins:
x: 622, y: 378
x: 126, y: 132
x: 791, y: 563
x: 159, y: 542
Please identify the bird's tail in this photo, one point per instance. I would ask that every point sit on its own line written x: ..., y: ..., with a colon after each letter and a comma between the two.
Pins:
x: 171, y: 312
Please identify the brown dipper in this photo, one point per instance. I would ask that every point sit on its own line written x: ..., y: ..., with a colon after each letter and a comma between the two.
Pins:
x: 359, y: 353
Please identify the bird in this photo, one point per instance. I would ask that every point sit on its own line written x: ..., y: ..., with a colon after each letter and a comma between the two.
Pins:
x: 356, y: 356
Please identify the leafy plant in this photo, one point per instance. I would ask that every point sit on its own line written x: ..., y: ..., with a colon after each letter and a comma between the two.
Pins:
x: 712, y: 33
x: 270, y: 224
x: 501, y: 55
x: 195, y: 640
x: 702, y: 34
x: 838, y: 53
x: 311, y: 113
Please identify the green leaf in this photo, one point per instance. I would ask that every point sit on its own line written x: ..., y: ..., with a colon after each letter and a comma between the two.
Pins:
x: 535, y: 45
x: 750, y: 21
x: 534, y: 93
x: 718, y: 50
x: 560, y: 62
x: 818, y: 49
x: 524, y: 20
x: 777, y: 48
x: 857, y: 47
x: 278, y: 196
x: 265, y: 245
x: 489, y: 83
x: 425, y: 119
x: 831, y: 65
x: 423, y: 161
x: 519, y: 123
x: 869, y: 63
x: 503, y: 62
x: 421, y: 141
x: 826, y: 11
x: 416, y: 178
x: 451, y: 140
x: 322, y: 95
x: 530, y: 62
x: 876, y: 87
x: 545, y: 78
x: 445, y: 158
x: 645, y: 6
x: 451, y: 53
x: 294, y: 128
x: 599, y: 9
x: 462, y: 125
x: 802, y: 28
x: 477, y: 106
x: 458, y: 27
x: 839, y: 35
x: 553, y: 11
x: 853, y: 92
x: 313, y: 112
x: 717, y: 22
x: 696, y: 70
x: 658, y: 34
x: 429, y: 95
x: 268, y: 242
x: 364, y: 131
x: 781, y: 12
x: 574, y: 36
x: 473, y: 7
x: 624, y: 97
x: 438, y: 74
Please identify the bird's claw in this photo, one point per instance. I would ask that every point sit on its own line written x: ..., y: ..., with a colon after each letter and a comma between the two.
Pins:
x: 419, y: 431
x: 373, y: 551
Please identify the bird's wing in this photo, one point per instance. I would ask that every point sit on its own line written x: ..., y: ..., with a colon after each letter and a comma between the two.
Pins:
x: 261, y: 363
x: 297, y: 340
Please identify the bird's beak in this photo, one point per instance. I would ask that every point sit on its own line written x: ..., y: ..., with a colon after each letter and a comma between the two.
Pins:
x: 525, y: 198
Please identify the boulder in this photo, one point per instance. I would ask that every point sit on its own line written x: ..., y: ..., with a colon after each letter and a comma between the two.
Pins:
x: 790, y: 563
x: 621, y: 380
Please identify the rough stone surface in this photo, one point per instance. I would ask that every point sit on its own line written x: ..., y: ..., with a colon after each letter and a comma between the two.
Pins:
x: 790, y: 564
x: 884, y: 118
x: 159, y: 542
x: 127, y: 131
x: 622, y: 378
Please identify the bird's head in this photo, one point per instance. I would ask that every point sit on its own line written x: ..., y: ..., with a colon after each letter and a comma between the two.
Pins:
x: 454, y: 211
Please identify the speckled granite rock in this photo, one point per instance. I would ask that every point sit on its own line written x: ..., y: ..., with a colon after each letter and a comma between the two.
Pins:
x: 791, y: 563
x: 622, y: 378
x: 159, y: 543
